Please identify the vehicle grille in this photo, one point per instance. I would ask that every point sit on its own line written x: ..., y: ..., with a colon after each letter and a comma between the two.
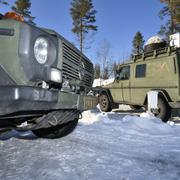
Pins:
x: 74, y: 65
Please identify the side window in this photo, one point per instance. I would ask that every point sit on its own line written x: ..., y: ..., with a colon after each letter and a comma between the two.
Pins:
x: 123, y: 73
x: 140, y: 71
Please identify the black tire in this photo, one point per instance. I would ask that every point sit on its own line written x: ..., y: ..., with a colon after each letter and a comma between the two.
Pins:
x: 3, y: 133
x: 104, y: 103
x: 164, y: 110
x: 57, y: 131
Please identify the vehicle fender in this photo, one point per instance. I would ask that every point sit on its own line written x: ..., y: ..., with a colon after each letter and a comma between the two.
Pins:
x: 162, y: 93
x: 100, y: 90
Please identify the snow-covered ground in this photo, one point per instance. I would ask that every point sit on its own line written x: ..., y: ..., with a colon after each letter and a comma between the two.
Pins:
x: 104, y: 146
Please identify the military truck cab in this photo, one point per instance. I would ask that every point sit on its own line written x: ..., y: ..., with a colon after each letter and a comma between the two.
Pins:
x: 157, y: 69
x: 45, y: 82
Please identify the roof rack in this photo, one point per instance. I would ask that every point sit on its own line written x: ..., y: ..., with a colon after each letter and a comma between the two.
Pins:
x: 154, y: 53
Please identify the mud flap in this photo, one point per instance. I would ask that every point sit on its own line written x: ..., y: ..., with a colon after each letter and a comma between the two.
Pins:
x: 152, y: 100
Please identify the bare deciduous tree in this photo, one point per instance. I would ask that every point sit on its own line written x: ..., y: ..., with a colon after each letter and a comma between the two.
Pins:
x: 105, y: 59
x: 97, y: 71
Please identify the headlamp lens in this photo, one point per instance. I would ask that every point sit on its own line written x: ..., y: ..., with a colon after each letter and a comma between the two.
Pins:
x: 41, y: 50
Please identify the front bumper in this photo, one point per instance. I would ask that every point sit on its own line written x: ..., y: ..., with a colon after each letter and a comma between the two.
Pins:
x: 24, y: 98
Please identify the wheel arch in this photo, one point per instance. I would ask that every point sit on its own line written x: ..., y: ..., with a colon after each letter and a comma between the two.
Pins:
x: 100, y: 90
x: 107, y: 91
x: 162, y: 93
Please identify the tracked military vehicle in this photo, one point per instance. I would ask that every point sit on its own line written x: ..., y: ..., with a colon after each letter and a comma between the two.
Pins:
x: 45, y: 82
x: 157, y: 69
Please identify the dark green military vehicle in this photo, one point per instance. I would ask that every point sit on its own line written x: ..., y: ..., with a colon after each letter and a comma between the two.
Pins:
x: 45, y: 82
x: 157, y: 69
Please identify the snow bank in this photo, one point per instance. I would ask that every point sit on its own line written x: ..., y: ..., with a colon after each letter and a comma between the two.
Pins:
x: 144, y: 123
x: 93, y: 116
x: 133, y: 147
x: 124, y: 107
x: 90, y: 116
x: 103, y: 146
x: 148, y: 115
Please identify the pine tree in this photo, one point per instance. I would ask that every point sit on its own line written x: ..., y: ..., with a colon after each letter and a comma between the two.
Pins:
x: 171, y: 11
x: 138, y: 43
x: 83, y: 16
x: 172, y: 8
x: 4, y: 2
x: 175, y: 9
x: 22, y: 7
x: 167, y: 28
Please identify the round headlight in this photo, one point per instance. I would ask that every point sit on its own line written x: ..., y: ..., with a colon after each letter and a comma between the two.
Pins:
x: 41, y: 50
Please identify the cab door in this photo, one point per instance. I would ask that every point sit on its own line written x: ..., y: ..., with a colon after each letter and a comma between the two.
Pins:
x: 123, y: 84
x: 116, y: 90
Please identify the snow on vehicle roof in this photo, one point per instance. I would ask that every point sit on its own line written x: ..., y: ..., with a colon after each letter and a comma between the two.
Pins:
x: 154, y: 39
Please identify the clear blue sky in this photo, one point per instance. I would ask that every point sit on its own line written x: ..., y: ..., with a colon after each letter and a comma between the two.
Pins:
x: 117, y: 21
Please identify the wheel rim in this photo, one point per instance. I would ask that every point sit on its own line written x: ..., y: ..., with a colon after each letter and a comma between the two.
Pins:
x: 103, y: 101
x: 157, y: 112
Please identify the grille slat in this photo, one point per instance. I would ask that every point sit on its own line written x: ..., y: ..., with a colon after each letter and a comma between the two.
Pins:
x: 73, y: 62
x: 71, y: 57
x: 74, y: 56
x: 69, y: 71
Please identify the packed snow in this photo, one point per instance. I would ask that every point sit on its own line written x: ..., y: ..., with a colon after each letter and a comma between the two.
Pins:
x: 117, y: 145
